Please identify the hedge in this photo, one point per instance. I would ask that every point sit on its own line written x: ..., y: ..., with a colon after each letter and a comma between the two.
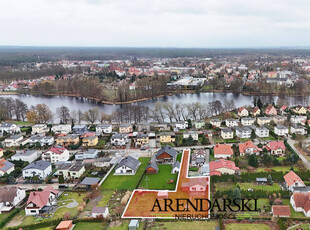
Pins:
x: 253, y: 194
x: 42, y: 224
x: 9, y: 217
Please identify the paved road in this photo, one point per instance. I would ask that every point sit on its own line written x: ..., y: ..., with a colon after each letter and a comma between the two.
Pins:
x: 34, y: 186
x: 291, y: 143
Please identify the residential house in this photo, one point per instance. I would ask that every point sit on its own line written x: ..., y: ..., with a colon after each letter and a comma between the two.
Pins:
x: 1, y: 152
x: 300, y: 110
x: 282, y: 211
x: 256, y: 112
x: 270, y: 110
x: 263, y: 121
x: 143, y: 127
x: 152, y: 167
x: 42, y: 140
x: 216, y: 122
x: 243, y: 132
x: 175, y: 167
x: 61, y: 129
x: 247, y: 121
x: 41, y: 202
x: 283, y: 108
x: 103, y: 129
x: 166, y: 155
x: 119, y: 139
x: 262, y: 132
x: 298, y: 119
x: 55, y: 154
x: 102, y: 212
x: 79, y: 129
x: 39, y: 168
x: 26, y: 155
x: 299, y: 130
x: 191, y: 133
x: 243, y: 112
x: 292, y: 180
x: 70, y: 139
x: 63, y: 170
x: 12, y: 141
x: 142, y: 139
x: 10, y: 128
x: 89, y: 154
x: 301, y: 203
x: 90, y: 141
x: 281, y: 130
x: 223, y: 151
x: 248, y: 148
x: 232, y: 122
x: 76, y: 171
x: 125, y: 128
x: 6, y: 167
x: 276, y: 148
x: 40, y: 129
x: 227, y: 134
x: 199, y: 124
x: 102, y: 162
x: 127, y: 166
x: 279, y: 119
x: 219, y: 167
x: 10, y: 197
x: 195, y: 185
x: 181, y: 125
x: 198, y: 158
x: 65, y: 225
x: 167, y: 137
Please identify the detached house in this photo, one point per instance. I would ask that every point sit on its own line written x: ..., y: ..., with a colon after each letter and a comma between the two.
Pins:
x: 279, y: 119
x: 70, y: 139
x: 103, y: 128
x: 216, y: 122
x: 39, y: 168
x: 281, y: 130
x: 41, y: 202
x: 247, y: 121
x: 61, y: 129
x: 125, y: 128
x: 10, y: 128
x: 263, y: 120
x: 26, y: 155
x: 256, y: 111
x: 193, y: 134
x: 119, y: 139
x: 42, y: 140
x: 300, y: 110
x: 223, y: 151
x: 231, y: 122
x: 199, y: 124
x: 15, y: 140
x: 242, y: 112
x: 152, y: 167
x: 6, y: 167
x: 219, y: 167
x: 299, y: 130
x: 298, y: 119
x: 292, y: 180
x: 301, y: 203
x: 198, y: 158
x: 180, y: 125
x: 270, y: 110
x: 142, y: 139
x: 40, y: 129
x: 262, y: 132
x: 243, y: 132
x: 248, y: 148
x: 90, y: 141
x: 79, y: 129
x: 10, y: 197
x: 276, y: 148
x: 76, y: 171
x: 166, y: 155
x: 89, y: 154
x: 167, y: 137
x: 227, y: 134
x: 127, y: 166
x: 55, y: 154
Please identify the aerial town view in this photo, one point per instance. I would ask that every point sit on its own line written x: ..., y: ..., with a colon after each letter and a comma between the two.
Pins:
x: 151, y: 115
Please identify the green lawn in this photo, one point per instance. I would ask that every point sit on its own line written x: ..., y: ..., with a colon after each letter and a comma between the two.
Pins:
x: 124, y: 226
x: 302, y: 226
x: 179, y: 157
x: 246, y: 186
x: 220, y: 186
x: 181, y: 225
x: 89, y: 225
x: 159, y: 180
x: 3, y: 216
x: 246, y: 227
x: 106, y: 196
x: 276, y: 168
x: 121, y: 182
x: 25, y: 123
x: 100, y: 144
x: 293, y: 213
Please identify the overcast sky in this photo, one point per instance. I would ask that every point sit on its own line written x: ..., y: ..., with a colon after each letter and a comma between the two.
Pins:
x: 155, y: 23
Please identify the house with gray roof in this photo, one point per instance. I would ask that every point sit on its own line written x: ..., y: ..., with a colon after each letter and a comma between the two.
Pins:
x: 26, y: 155
x: 127, y: 166
x: 6, y: 167
x: 166, y: 155
x: 39, y: 168
x: 175, y: 167
x: 152, y: 166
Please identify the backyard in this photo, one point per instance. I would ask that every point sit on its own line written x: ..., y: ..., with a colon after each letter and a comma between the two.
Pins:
x: 247, y: 227
x: 106, y: 196
x: 124, y: 226
x: 125, y: 182
x: 180, y: 225
x: 159, y: 180
x: 89, y: 225
x: 245, y: 186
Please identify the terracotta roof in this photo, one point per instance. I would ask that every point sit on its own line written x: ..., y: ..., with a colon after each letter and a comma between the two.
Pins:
x: 214, y: 165
x: 291, y: 178
x: 274, y: 145
x: 248, y: 144
x: 284, y: 107
x: 302, y: 200
x: 223, y: 149
x: 57, y: 149
x: 64, y: 224
x: 41, y: 199
x: 240, y: 109
x: 281, y: 210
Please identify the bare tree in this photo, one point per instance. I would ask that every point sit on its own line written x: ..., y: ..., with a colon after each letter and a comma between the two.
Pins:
x: 64, y: 114
x: 92, y: 115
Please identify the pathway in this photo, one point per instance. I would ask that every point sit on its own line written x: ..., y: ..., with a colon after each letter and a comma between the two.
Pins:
x: 291, y: 143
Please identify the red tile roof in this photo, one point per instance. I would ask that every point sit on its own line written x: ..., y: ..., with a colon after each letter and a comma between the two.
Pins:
x: 283, y: 107
x: 57, y: 149
x: 281, y: 210
x: 274, y: 145
x: 218, y: 164
x: 302, y: 200
x: 291, y: 178
x: 248, y: 144
x: 223, y: 149
x: 41, y: 199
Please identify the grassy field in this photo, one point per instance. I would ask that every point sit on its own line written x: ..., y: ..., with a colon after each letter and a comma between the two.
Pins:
x: 224, y: 186
x: 276, y: 168
x: 89, y: 225
x: 3, y: 216
x: 293, y: 213
x: 302, y: 226
x: 120, y: 182
x: 246, y: 186
x: 180, y: 225
x: 25, y: 123
x: 159, y: 180
x: 246, y: 227
x: 124, y: 226
x: 106, y: 196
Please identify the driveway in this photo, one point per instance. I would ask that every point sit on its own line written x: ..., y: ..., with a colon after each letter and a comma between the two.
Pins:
x: 291, y: 143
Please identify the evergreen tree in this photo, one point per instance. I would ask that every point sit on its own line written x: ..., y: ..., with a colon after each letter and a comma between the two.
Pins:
x: 259, y: 104
x: 269, y: 178
x: 253, y: 161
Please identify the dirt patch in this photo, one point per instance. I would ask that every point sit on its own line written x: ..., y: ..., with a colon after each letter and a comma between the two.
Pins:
x: 115, y: 224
